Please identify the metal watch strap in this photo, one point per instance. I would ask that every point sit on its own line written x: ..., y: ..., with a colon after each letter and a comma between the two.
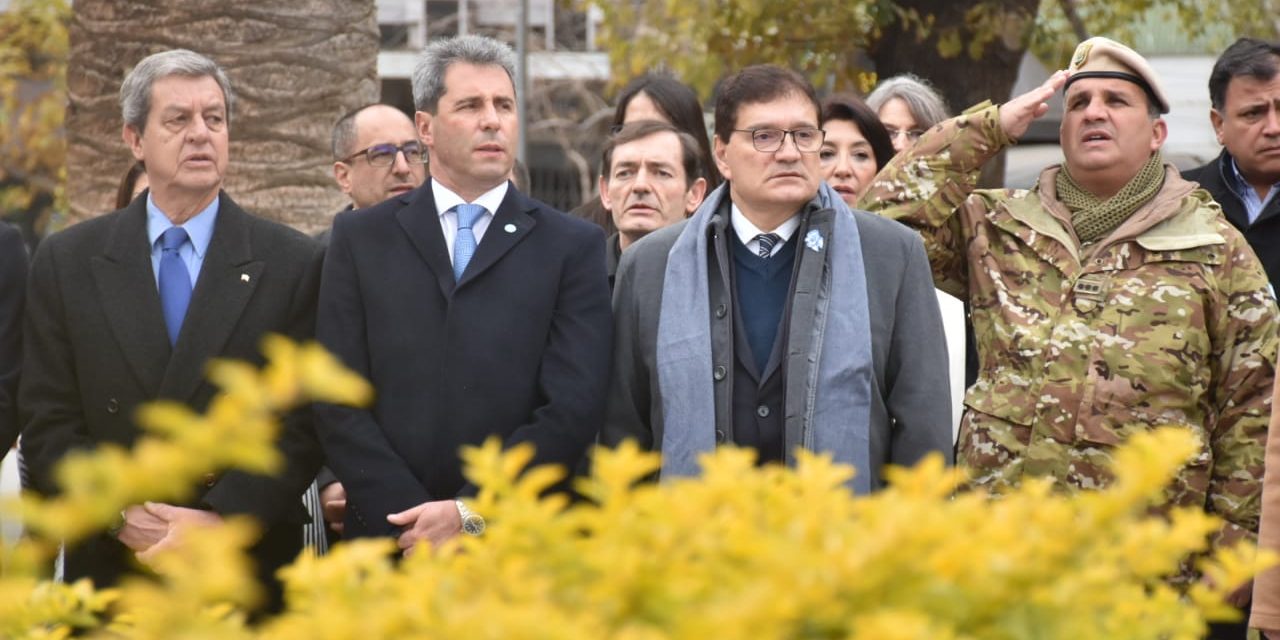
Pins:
x: 116, y: 528
x: 472, y: 523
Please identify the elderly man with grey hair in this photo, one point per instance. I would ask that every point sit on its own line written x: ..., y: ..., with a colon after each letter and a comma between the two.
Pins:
x: 495, y: 324
x: 129, y: 307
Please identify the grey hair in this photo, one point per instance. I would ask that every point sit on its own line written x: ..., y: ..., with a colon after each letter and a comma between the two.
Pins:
x: 135, y: 91
x: 434, y: 61
x: 926, y: 106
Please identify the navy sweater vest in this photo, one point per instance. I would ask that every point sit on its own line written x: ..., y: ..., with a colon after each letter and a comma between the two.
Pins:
x: 761, y: 287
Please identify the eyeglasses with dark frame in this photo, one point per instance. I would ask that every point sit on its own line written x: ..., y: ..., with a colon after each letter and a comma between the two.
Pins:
x: 807, y: 139
x: 384, y: 155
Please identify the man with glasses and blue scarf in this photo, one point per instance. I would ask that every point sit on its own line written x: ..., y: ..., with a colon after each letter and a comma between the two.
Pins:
x: 776, y: 318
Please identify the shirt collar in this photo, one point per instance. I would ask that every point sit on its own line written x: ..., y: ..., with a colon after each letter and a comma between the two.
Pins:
x: 747, y: 231
x: 199, y: 227
x: 1241, y: 185
x: 1238, y: 183
x: 446, y: 199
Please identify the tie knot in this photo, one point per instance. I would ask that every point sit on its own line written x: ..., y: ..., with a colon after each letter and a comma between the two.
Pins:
x: 766, y: 242
x: 173, y: 238
x: 468, y: 214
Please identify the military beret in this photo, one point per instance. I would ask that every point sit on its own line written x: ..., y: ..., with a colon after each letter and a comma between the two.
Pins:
x: 1100, y: 57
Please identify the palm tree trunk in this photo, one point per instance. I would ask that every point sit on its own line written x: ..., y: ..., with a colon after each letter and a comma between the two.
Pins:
x: 295, y: 68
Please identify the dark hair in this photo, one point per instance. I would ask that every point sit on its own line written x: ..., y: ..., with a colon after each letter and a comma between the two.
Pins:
x: 344, y: 132
x: 124, y: 194
x: 851, y: 108
x: 643, y: 129
x: 680, y: 105
x: 1245, y: 57
x: 755, y: 85
x: 343, y: 139
x: 520, y: 176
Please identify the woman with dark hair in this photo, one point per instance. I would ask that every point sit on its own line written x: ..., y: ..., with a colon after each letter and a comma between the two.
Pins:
x: 855, y: 148
x: 133, y: 183
x: 658, y: 96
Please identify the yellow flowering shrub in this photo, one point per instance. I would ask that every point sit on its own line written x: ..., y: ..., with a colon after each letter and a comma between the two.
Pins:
x: 741, y: 552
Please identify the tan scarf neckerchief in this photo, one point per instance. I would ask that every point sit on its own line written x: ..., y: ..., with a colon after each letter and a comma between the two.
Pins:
x: 1092, y: 218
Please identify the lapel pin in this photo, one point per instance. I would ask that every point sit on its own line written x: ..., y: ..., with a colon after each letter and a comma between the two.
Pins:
x: 510, y: 228
x: 813, y: 240
x: 244, y: 277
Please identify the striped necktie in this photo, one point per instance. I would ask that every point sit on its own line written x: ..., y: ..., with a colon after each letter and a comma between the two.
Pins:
x: 766, y: 243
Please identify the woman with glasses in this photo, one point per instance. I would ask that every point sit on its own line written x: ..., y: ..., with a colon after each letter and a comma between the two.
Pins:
x: 907, y: 106
x: 856, y: 147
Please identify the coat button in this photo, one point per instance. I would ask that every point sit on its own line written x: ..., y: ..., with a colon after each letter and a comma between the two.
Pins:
x: 721, y: 311
x: 719, y: 373
x: 113, y: 406
x: 210, y: 479
x: 762, y: 411
x: 719, y: 437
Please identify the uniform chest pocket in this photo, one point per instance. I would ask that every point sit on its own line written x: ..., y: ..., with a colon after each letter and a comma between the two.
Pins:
x: 1149, y: 363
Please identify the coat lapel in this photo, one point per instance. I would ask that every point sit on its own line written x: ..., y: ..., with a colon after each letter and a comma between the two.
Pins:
x: 421, y: 222
x: 509, y: 226
x: 126, y: 287
x: 226, y: 283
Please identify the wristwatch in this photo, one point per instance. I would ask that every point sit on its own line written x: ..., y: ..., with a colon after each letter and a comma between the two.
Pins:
x: 116, y: 528
x: 472, y: 523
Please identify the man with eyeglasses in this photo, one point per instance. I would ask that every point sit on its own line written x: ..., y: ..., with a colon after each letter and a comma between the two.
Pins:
x: 376, y: 155
x: 776, y: 318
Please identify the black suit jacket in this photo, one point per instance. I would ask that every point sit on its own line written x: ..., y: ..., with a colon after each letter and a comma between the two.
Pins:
x: 518, y: 348
x: 1264, y: 234
x: 13, y: 284
x: 96, y: 348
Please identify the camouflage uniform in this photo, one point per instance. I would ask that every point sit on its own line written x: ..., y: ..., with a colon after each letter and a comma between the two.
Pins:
x: 1167, y: 320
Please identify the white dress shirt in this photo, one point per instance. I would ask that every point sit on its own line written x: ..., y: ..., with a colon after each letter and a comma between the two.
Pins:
x: 747, y: 231
x: 446, y: 200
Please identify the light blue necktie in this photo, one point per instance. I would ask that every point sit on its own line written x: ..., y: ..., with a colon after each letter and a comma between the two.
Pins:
x: 175, y: 281
x: 464, y: 244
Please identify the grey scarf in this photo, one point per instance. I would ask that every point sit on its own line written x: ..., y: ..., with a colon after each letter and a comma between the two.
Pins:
x: 837, y: 384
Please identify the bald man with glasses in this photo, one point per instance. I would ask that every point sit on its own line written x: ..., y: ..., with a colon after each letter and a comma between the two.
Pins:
x: 377, y: 155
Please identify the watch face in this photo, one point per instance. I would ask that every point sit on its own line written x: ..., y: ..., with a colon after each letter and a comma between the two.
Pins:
x: 473, y: 525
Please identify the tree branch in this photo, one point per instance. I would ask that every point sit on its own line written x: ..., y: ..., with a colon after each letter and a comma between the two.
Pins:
x: 1073, y: 17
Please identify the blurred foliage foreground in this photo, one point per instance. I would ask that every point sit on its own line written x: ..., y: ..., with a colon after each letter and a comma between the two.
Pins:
x: 741, y: 552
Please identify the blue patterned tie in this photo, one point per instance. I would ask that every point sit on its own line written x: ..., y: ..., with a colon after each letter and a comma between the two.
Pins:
x: 464, y: 244
x: 766, y: 241
x: 175, y: 281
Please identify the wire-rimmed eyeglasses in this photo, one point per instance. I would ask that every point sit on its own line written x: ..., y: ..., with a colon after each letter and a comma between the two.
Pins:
x: 807, y: 139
